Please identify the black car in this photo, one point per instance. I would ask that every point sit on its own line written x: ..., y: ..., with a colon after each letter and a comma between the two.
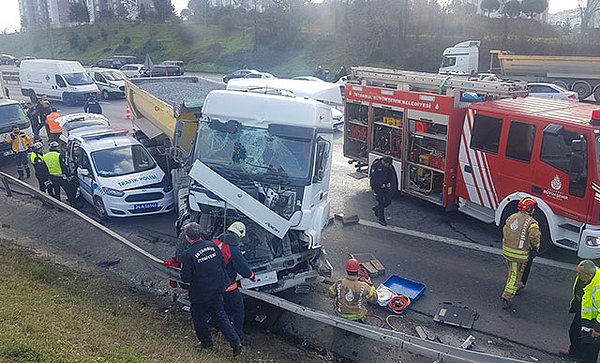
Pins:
x: 18, y: 61
x: 161, y: 70
x: 179, y: 64
x: 7, y: 59
x: 109, y: 63
x: 125, y: 59
x: 240, y: 73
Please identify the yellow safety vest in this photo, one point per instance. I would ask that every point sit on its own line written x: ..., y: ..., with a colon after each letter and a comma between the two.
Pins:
x: 590, y: 302
x: 52, y: 160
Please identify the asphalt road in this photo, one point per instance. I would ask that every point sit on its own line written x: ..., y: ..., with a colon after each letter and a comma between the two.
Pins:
x: 454, y: 274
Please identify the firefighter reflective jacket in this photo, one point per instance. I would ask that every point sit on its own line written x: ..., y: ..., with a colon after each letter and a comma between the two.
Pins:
x: 351, y: 296
x: 521, y: 232
x: 18, y: 143
x: 590, y: 301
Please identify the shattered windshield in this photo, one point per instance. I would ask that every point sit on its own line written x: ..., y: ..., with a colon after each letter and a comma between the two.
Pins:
x: 254, y: 151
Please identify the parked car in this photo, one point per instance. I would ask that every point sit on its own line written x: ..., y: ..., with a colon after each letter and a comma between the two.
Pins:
x: 125, y: 59
x: 132, y: 70
x: 18, y: 61
x: 108, y: 63
x: 161, y: 70
x: 263, y: 75
x: 179, y: 64
x: 7, y: 59
x: 550, y: 90
x: 110, y: 82
x: 240, y: 73
x: 308, y: 78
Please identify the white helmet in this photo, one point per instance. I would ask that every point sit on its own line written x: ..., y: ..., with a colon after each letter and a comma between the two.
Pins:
x: 238, y: 228
x: 38, y: 146
x: 53, y: 145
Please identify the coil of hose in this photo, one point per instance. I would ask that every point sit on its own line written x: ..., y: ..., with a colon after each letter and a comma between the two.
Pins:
x: 399, y: 303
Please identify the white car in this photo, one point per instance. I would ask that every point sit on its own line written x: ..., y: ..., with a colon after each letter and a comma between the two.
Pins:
x: 117, y: 174
x: 132, y: 70
x: 263, y: 75
x: 308, y: 78
x: 549, y: 90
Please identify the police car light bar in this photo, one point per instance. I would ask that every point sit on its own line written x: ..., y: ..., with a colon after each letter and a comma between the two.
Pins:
x: 106, y: 133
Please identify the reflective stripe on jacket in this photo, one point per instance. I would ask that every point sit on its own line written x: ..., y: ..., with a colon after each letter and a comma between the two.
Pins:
x: 351, y: 296
x: 52, y: 160
x: 52, y: 124
x: 14, y: 143
x: 590, y: 303
x: 521, y: 232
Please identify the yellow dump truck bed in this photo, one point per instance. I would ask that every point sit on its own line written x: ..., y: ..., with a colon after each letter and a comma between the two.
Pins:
x: 570, y: 67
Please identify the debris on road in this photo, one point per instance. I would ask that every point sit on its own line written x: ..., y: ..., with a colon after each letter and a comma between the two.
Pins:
x: 346, y: 219
x: 468, y: 343
x: 449, y: 314
x: 108, y: 263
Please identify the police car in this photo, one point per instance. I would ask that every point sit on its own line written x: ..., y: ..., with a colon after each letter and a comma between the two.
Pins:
x: 117, y: 174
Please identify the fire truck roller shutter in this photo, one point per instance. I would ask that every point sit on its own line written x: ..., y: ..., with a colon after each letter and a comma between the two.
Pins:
x: 510, y: 207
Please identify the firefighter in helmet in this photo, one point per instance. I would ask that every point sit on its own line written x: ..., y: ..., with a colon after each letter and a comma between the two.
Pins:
x: 351, y: 294
x: 521, y: 237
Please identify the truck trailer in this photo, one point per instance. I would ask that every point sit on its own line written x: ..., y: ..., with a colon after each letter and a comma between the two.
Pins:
x: 479, y: 147
x: 260, y: 158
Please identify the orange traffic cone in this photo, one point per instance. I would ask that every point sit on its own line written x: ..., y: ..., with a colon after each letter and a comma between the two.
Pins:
x: 127, y: 112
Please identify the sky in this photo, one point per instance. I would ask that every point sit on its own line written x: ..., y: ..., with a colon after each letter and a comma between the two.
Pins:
x: 10, y: 19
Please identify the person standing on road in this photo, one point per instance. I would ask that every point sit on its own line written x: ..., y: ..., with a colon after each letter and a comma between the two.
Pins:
x: 581, y: 280
x: 39, y: 166
x: 351, y: 294
x: 521, y: 238
x: 56, y: 169
x: 203, y: 269
x: 53, y: 126
x: 43, y: 109
x: 381, y: 175
x: 236, y: 264
x: 32, y: 115
x: 92, y: 105
x: 20, y: 143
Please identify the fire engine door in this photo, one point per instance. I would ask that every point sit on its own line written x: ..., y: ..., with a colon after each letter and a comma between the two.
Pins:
x: 561, y: 175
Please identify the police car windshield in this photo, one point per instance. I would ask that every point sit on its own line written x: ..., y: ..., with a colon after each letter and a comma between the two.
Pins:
x: 78, y: 79
x: 122, y: 161
x: 12, y: 115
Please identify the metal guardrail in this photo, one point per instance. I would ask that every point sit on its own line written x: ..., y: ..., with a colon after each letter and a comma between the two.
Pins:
x: 430, y: 349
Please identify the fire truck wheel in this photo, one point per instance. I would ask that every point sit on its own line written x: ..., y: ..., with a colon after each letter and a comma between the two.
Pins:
x: 545, y: 243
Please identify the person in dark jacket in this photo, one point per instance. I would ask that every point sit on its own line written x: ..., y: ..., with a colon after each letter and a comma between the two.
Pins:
x: 381, y: 175
x: 43, y: 109
x: 39, y: 166
x: 92, y: 106
x: 203, y: 269
x: 236, y: 264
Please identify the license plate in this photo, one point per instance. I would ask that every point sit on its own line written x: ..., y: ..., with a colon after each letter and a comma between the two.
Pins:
x: 7, y: 153
x: 145, y: 206
x: 263, y: 279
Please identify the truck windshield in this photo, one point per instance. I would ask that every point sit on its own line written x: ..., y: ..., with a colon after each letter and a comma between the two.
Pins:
x: 12, y: 115
x: 255, y: 152
x: 78, y: 79
x: 122, y: 161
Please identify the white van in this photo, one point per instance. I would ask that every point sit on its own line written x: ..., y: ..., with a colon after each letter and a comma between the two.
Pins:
x: 60, y: 80
x: 117, y: 174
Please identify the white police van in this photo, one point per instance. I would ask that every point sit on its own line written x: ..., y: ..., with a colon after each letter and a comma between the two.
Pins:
x: 117, y: 174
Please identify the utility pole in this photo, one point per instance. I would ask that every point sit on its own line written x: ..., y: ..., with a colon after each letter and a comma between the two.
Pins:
x: 48, y: 27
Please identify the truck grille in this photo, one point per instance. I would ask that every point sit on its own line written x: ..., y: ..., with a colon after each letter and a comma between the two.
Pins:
x: 145, y: 197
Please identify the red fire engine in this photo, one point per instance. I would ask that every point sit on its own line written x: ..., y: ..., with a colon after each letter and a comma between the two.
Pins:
x: 479, y: 147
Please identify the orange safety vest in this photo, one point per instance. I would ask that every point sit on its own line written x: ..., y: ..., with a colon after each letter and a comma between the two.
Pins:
x: 52, y: 124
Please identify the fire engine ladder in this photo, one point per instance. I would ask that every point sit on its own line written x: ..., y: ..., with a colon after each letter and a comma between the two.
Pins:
x: 452, y: 85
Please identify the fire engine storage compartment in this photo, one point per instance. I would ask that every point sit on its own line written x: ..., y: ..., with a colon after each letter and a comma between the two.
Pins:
x: 426, y: 142
x: 356, y: 136
x: 387, y: 130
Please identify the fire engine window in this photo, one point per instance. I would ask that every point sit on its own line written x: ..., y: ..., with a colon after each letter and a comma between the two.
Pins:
x: 486, y: 133
x: 556, y: 149
x: 520, y: 141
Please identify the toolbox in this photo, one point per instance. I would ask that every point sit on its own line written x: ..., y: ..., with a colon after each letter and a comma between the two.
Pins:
x: 455, y: 315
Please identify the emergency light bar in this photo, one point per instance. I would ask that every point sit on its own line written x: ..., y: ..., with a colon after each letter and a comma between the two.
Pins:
x: 103, y: 134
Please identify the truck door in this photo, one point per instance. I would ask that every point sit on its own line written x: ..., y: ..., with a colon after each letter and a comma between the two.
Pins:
x: 561, y: 174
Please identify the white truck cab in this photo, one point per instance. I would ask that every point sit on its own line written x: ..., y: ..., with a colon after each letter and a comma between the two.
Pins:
x: 117, y: 174
x: 463, y: 58
x: 11, y: 115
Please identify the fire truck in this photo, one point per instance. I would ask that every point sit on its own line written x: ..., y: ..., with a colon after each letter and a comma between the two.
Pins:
x: 478, y: 147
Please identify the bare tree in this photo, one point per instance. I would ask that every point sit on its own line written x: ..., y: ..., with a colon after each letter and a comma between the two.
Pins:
x: 587, y: 10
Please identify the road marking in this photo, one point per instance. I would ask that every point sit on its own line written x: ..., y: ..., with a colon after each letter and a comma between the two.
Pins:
x: 461, y: 243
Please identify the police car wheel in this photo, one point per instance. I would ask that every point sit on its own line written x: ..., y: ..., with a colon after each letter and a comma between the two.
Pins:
x: 105, y: 95
x: 100, y: 209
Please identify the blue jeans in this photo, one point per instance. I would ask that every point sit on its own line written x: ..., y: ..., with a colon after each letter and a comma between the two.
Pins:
x: 215, y: 311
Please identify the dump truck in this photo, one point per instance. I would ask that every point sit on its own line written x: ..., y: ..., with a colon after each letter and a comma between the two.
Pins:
x: 260, y: 157
x: 575, y: 73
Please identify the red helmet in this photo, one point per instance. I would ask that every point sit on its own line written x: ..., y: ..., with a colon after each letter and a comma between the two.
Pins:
x: 527, y: 204
x: 352, y: 265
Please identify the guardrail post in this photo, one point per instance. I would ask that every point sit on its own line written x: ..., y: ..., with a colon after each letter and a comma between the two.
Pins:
x: 6, y: 186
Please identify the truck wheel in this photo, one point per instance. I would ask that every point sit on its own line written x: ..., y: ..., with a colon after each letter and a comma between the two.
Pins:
x: 68, y: 100
x: 597, y: 94
x: 545, y: 242
x: 32, y: 96
x: 583, y: 89
x: 100, y: 208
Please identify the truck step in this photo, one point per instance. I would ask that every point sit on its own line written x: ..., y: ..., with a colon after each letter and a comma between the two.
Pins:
x: 483, y: 214
x: 569, y: 227
x: 567, y: 243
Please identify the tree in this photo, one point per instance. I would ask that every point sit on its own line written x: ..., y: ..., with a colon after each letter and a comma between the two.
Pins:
x: 587, y: 10
x: 106, y: 16
x: 78, y: 12
x: 163, y: 10
x: 489, y: 6
x: 512, y: 8
x: 532, y: 8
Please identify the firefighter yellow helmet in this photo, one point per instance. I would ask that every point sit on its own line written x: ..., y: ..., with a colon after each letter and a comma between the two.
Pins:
x: 238, y: 228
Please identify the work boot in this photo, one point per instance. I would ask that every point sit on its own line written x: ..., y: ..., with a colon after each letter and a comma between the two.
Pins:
x: 506, y: 304
x: 237, y: 349
x: 382, y: 222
